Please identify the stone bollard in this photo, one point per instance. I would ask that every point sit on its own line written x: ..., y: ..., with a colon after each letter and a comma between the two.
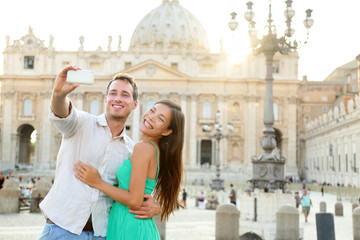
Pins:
x: 354, y: 205
x: 42, y: 187
x: 356, y: 223
x: 287, y: 223
x: 227, y: 222
x: 322, y: 207
x: 9, y: 196
x: 325, y: 228
x: 339, y: 211
x: 161, y: 226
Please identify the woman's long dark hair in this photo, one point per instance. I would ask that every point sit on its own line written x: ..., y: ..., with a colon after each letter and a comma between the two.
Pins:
x: 171, y: 166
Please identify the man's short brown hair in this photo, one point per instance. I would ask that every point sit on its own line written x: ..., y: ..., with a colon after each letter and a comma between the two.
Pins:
x: 128, y: 78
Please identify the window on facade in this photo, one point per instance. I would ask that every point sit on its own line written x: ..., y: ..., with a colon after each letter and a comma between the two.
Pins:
x: 235, y: 111
x: 29, y: 62
x: 94, y: 107
x: 149, y: 104
x: 206, y: 110
x: 127, y: 65
x: 354, y: 88
x: 324, y: 109
x: 306, y: 98
x: 236, y: 69
x: 276, y: 111
x: 354, y: 162
x: 207, y: 68
x: 27, y: 108
x: 324, y: 98
x: 174, y: 66
x: 276, y: 67
x: 65, y: 63
x: 95, y: 66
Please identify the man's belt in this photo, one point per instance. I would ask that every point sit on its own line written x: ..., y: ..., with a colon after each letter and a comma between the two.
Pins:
x: 88, y: 226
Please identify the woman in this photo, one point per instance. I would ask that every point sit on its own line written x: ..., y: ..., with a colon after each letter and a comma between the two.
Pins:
x: 155, y: 164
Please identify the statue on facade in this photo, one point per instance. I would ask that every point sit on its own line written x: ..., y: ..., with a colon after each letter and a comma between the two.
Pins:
x: 119, y: 45
x: 357, y: 101
x: 81, y: 39
x: 350, y: 105
x: 109, y: 43
x: 51, y: 42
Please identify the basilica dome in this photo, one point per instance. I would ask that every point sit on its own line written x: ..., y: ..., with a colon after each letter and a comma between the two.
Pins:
x: 169, y: 26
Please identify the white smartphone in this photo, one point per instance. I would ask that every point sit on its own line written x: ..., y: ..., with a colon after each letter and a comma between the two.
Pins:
x: 80, y: 76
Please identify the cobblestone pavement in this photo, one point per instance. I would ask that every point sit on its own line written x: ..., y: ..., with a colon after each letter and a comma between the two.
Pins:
x: 190, y: 223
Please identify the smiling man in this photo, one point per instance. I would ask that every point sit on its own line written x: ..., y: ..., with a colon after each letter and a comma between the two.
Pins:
x: 72, y: 209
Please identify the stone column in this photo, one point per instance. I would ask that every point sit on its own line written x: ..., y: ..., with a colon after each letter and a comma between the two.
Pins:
x: 287, y: 223
x: 323, y: 207
x: 9, y: 196
x: 6, y: 128
x: 251, y: 129
x: 193, y: 130
x: 45, y: 137
x: 161, y: 226
x: 339, y: 209
x: 227, y: 222
x: 41, y: 189
x: 220, y: 107
x: 135, y: 124
x: 183, y: 104
x: 354, y: 205
x: 291, y: 168
x: 356, y: 223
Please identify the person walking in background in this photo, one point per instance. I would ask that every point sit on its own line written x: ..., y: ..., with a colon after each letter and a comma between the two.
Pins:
x: 297, y: 199
x: 201, y: 200
x: 232, y: 194
x: 184, y: 195
x: 322, y: 190
x: 306, y: 204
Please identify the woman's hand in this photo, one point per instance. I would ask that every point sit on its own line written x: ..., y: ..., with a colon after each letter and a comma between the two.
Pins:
x: 87, y: 174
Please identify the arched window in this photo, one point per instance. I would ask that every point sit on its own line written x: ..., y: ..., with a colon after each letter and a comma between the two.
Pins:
x: 235, y: 111
x: 94, y: 107
x: 236, y: 150
x: 149, y: 104
x: 27, y: 108
x: 206, y: 110
x: 276, y: 111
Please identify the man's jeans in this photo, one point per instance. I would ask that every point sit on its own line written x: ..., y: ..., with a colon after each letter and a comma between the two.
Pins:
x: 54, y: 232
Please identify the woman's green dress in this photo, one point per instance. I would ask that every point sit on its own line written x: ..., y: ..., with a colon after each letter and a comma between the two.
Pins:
x: 122, y: 224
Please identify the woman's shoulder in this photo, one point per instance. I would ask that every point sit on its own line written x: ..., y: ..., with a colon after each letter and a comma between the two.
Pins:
x: 144, y: 147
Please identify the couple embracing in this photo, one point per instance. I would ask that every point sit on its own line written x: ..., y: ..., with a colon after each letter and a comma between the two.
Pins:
x: 103, y: 181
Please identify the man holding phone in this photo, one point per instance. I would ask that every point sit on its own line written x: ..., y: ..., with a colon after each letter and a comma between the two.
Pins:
x: 72, y: 209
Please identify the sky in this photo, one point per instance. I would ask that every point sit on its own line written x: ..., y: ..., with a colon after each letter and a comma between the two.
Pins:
x: 334, y: 39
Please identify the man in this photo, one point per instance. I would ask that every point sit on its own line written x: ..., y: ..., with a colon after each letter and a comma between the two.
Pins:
x: 72, y: 209
x: 232, y: 194
x: 306, y: 203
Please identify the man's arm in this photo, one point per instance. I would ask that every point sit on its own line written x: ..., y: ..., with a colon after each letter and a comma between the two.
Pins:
x: 60, y: 104
x: 148, y: 209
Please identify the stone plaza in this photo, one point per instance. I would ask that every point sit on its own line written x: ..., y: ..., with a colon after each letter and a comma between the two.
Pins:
x: 192, y: 223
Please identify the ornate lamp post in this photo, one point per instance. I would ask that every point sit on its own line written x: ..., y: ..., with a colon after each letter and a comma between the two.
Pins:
x: 268, y: 169
x: 218, y: 183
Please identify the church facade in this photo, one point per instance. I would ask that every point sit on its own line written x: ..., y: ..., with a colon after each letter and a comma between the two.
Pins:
x: 170, y: 60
